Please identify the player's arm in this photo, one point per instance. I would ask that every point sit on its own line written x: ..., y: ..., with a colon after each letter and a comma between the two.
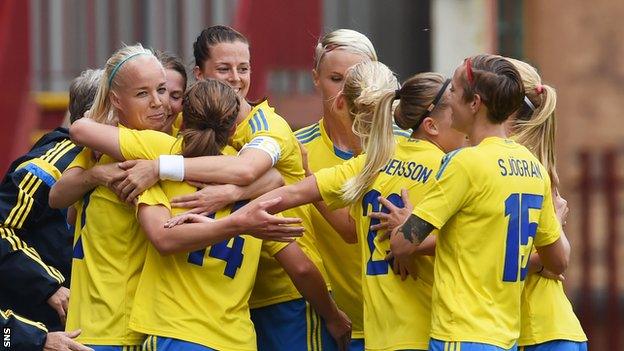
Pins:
x: 312, y: 286
x: 97, y: 136
x: 23, y: 334
x: 341, y: 220
x: 213, y: 197
x: 76, y: 182
x: 553, y: 254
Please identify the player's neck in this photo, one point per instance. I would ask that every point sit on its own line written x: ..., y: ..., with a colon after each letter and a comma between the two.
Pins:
x: 483, y: 128
x: 340, y: 132
x: 243, y: 111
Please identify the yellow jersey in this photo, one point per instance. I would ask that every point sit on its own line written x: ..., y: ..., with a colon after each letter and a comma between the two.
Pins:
x: 274, y: 285
x: 396, y: 313
x: 492, y: 203
x: 201, y: 296
x: 109, y: 251
x: 342, y: 260
x: 546, y: 313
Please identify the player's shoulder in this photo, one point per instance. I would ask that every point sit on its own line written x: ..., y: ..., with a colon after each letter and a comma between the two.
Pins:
x: 309, y: 134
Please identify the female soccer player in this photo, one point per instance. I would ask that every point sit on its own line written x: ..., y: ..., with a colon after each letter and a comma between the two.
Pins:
x: 174, y: 304
x: 329, y: 142
x: 492, y: 198
x: 547, y: 319
x: 176, y: 85
x: 109, y: 249
x: 282, y: 319
x: 396, y: 313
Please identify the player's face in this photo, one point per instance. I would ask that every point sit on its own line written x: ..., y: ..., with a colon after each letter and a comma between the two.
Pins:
x: 175, y: 87
x: 449, y: 139
x: 142, y: 99
x: 329, y: 78
x: 462, y: 115
x: 229, y: 63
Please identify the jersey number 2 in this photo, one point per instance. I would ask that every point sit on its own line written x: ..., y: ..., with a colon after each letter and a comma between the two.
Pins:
x: 371, y: 200
x: 519, y: 231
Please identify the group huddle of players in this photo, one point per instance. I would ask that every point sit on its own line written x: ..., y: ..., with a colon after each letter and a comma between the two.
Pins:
x: 422, y: 215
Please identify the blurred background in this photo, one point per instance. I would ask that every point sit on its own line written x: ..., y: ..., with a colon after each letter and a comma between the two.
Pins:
x: 576, y: 45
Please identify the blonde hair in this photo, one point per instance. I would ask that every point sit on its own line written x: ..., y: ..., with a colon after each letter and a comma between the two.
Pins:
x: 345, y: 39
x: 102, y: 110
x: 366, y: 83
x: 536, y: 128
x: 415, y: 97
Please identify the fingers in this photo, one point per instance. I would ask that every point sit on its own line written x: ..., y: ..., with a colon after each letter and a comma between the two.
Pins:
x: 126, y: 165
x: 74, y: 346
x: 186, y: 204
x: 381, y: 226
x: 198, y: 185
x: 184, y: 198
x: 74, y: 333
x: 389, y: 205
x: 380, y: 215
x: 385, y: 235
x: 61, y: 312
x: 284, y: 220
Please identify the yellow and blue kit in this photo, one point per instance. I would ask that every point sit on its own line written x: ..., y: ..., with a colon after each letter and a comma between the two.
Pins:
x: 35, y: 240
x: 109, y: 252
x: 492, y: 203
x: 396, y: 313
x: 273, y: 285
x: 341, y: 260
x: 199, y: 297
x: 547, y: 316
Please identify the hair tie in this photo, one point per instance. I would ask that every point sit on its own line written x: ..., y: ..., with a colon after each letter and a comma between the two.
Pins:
x: 529, y: 103
x: 433, y: 104
x: 469, y: 73
x: 539, y: 89
x: 397, y: 94
x: 118, y: 66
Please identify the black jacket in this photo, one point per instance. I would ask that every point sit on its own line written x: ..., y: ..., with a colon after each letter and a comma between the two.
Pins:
x: 35, y: 240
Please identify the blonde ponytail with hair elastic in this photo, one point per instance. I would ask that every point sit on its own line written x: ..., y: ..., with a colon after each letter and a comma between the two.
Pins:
x: 535, y: 128
x: 369, y: 92
x: 416, y: 101
x: 102, y: 110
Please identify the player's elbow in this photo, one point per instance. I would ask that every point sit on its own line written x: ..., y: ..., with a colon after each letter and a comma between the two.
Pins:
x: 304, y: 269
x: 554, y: 257
x: 162, y: 243
x: 245, y: 175
x: 78, y: 131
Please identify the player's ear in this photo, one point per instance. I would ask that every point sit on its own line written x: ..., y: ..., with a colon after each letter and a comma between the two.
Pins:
x: 430, y: 126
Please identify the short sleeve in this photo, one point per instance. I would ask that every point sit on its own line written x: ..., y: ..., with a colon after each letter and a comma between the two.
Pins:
x: 273, y: 247
x: 84, y: 160
x: 448, y: 194
x: 144, y: 144
x: 154, y: 196
x: 548, y: 228
x: 330, y: 180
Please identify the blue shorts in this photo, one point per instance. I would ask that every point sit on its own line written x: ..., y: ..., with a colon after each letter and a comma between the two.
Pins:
x: 557, y: 345
x: 291, y: 326
x: 437, y: 345
x: 159, y: 343
x: 115, y: 348
x: 356, y: 345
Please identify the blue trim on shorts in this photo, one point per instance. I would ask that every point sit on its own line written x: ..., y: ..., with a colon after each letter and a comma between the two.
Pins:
x: 357, y: 345
x: 291, y: 326
x: 557, y: 345
x: 115, y: 348
x: 159, y: 343
x: 438, y: 345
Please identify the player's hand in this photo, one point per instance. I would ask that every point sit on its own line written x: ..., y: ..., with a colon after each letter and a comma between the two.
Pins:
x: 304, y: 159
x: 550, y: 275
x: 63, y: 341
x: 107, y: 175
x: 254, y: 219
x: 403, y: 266
x: 209, y: 199
x: 340, y: 329
x: 187, y: 218
x: 394, y: 218
x: 59, y: 302
x: 561, y: 208
x: 140, y: 175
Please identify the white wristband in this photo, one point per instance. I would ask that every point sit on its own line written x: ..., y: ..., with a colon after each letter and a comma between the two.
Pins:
x: 171, y: 167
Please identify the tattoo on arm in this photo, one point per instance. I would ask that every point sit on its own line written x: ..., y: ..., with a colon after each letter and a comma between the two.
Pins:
x: 416, y: 229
